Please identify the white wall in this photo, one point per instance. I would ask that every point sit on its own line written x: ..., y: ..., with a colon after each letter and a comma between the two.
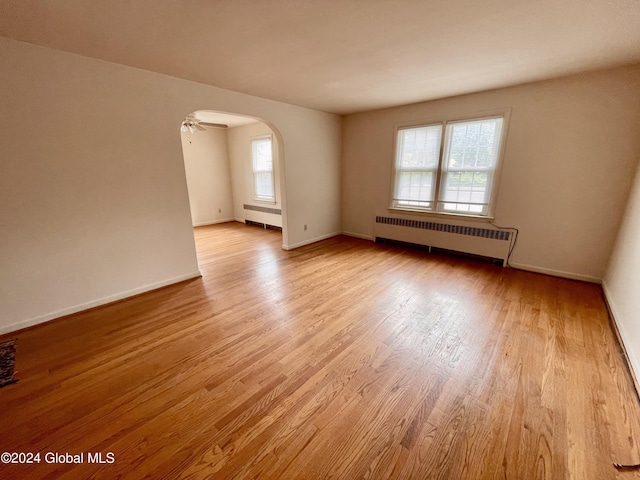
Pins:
x: 622, y: 280
x: 206, y: 163
x: 239, y: 140
x: 93, y: 197
x: 314, y: 202
x: 571, y: 149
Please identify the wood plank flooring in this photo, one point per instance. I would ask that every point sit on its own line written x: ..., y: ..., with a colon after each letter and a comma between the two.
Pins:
x: 343, y: 359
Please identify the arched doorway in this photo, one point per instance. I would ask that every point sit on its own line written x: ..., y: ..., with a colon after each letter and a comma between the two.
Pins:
x: 234, y: 169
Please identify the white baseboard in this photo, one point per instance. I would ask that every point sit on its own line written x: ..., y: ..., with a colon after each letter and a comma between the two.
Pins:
x: 519, y: 266
x: 358, y: 235
x: 308, y: 242
x: 94, y: 303
x: 556, y: 273
x: 623, y: 337
x: 213, y: 222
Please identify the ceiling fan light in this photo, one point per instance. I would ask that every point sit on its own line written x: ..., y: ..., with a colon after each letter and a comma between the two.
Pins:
x: 192, y: 128
x: 183, y: 128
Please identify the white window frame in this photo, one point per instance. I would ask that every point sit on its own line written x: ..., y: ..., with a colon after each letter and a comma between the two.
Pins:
x: 436, y: 207
x: 255, y: 171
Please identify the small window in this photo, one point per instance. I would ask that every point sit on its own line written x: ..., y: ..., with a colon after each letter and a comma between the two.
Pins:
x: 455, y: 176
x: 263, y: 184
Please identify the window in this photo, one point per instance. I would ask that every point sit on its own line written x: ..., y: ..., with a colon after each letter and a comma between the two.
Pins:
x: 263, y: 184
x: 457, y: 175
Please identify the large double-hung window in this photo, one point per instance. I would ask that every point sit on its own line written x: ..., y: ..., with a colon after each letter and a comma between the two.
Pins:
x: 449, y: 167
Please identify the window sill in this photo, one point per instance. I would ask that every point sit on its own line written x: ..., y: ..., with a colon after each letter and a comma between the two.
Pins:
x: 456, y: 216
x: 267, y: 202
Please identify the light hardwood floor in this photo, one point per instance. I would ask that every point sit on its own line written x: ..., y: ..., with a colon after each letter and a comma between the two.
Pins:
x: 344, y: 359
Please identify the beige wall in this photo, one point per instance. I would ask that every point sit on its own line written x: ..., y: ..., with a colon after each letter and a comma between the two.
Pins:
x: 93, y: 197
x: 206, y: 163
x: 622, y: 280
x: 315, y: 201
x: 571, y: 149
x: 239, y: 140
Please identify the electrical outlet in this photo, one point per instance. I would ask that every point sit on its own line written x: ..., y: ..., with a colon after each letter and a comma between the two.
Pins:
x: 305, y: 228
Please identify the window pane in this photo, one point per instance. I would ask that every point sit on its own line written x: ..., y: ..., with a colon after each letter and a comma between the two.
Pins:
x: 470, y: 158
x: 262, y: 168
x: 417, y: 162
x: 464, y: 208
x: 415, y: 186
x: 474, y: 144
x: 263, y: 185
x: 471, y: 187
x: 419, y: 147
x: 262, y: 160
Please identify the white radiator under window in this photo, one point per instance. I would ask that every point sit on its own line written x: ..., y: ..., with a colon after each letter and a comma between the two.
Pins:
x: 486, y: 242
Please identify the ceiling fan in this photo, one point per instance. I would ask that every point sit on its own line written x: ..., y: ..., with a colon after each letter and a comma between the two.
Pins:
x: 193, y: 124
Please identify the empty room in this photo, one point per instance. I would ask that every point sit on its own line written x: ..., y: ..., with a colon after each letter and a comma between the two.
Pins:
x: 320, y: 239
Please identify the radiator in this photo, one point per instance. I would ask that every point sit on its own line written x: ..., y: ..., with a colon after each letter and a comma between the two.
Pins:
x: 486, y: 242
x: 263, y: 215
